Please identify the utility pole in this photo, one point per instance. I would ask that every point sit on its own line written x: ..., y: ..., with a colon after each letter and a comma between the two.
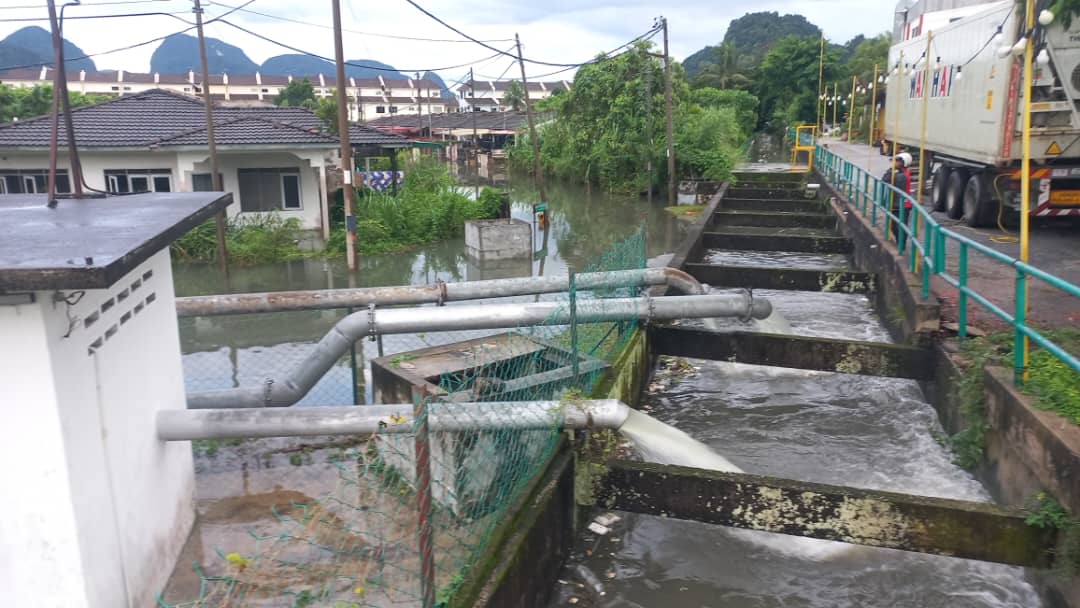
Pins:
x: 537, y: 175
x: 215, y: 177
x: 346, y: 145
x: 672, y: 191
x: 472, y: 91
x: 648, y: 123
x: 873, y: 120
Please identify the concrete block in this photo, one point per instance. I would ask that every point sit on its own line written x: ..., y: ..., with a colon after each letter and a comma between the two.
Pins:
x: 498, y: 239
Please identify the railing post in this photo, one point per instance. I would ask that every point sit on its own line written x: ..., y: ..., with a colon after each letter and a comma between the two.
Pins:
x: 961, y: 301
x: 1019, y: 321
x: 573, y: 328
x: 423, y: 498
x: 928, y: 240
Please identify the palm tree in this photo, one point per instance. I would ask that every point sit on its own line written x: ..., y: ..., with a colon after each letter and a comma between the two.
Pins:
x: 722, y: 72
x: 514, y: 97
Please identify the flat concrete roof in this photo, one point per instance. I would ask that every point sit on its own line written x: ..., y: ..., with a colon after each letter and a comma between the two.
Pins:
x: 92, y: 243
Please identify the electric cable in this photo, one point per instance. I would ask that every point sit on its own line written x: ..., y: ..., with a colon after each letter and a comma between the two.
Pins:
x: 317, y: 56
x: 362, y: 33
x: 125, y: 48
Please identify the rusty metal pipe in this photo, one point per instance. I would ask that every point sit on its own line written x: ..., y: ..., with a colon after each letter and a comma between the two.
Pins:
x: 284, y: 301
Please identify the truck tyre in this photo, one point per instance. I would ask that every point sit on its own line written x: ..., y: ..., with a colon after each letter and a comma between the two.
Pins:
x: 954, y: 193
x: 979, y: 201
x: 941, y: 182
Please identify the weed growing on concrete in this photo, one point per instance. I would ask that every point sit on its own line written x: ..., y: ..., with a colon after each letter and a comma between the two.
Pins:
x: 1044, y: 511
x: 1055, y: 386
x: 968, y: 445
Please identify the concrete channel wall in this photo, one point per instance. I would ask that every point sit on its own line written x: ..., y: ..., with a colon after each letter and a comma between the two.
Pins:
x: 1027, y: 451
x: 529, y: 549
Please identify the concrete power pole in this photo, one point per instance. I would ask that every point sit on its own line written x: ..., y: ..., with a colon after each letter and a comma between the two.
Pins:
x: 537, y: 174
x: 672, y: 189
x: 215, y: 175
x: 346, y: 145
x: 472, y: 91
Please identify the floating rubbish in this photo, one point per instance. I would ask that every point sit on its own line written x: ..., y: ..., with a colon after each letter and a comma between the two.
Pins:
x: 599, y: 529
x: 592, y: 582
x: 607, y: 519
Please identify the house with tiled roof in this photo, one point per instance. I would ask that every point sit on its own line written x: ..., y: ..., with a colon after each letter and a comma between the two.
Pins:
x: 272, y: 159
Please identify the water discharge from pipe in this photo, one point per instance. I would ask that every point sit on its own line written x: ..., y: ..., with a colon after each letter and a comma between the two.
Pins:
x: 661, y: 443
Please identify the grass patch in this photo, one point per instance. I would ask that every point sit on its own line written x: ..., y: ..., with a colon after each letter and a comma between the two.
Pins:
x: 250, y: 239
x: 686, y: 212
x: 1052, y: 385
x: 428, y: 207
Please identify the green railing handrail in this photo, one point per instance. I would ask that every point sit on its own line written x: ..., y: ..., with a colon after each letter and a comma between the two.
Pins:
x: 871, y: 195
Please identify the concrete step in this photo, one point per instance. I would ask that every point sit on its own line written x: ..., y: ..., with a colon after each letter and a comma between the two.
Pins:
x: 765, y: 193
x: 791, y: 205
x: 837, y: 280
x: 773, y: 219
x: 801, y: 240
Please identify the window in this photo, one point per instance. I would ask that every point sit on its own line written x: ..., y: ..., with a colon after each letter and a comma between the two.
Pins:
x: 393, y: 109
x: 32, y: 181
x: 138, y: 180
x: 270, y: 189
x: 200, y: 182
x: 265, y: 90
x: 380, y: 109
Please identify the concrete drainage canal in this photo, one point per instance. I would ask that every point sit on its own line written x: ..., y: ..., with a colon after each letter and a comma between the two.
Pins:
x: 477, y: 487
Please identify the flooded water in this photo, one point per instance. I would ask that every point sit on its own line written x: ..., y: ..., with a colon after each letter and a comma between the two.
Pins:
x: 876, y: 433
x: 230, y: 351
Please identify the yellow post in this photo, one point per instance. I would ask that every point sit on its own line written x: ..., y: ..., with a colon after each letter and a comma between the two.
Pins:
x: 1025, y: 166
x: 873, y: 121
x: 835, y: 103
x: 922, y: 142
x: 824, y: 109
x: 900, y: 74
x: 820, y: 77
x: 851, y: 108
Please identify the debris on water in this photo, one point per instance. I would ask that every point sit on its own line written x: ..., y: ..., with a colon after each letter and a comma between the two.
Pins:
x: 572, y: 600
x: 592, y: 583
x: 607, y: 519
x: 599, y: 529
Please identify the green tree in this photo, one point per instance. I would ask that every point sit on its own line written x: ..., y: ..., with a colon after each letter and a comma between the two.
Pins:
x: 787, y: 82
x: 599, y: 134
x: 22, y: 102
x: 721, y: 70
x: 296, y: 93
x: 514, y: 97
x: 326, y: 109
x: 744, y: 104
x: 868, y: 53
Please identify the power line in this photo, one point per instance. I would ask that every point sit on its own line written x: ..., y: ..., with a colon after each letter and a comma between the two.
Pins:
x: 130, y: 46
x: 66, y: 18
x: 359, y: 65
x: 374, y: 34
x: 111, y: 3
x: 654, y: 29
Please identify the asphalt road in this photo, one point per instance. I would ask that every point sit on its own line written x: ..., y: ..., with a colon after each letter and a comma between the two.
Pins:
x: 1054, y: 248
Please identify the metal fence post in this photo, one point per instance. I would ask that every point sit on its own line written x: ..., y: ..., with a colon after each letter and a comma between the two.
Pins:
x: 962, y: 299
x: 573, y: 327
x: 1019, y: 321
x: 423, y: 497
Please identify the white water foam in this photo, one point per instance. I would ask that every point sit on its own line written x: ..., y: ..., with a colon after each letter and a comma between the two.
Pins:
x: 664, y: 444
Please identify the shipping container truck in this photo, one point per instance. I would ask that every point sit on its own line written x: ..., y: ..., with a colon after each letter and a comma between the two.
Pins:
x: 974, y: 104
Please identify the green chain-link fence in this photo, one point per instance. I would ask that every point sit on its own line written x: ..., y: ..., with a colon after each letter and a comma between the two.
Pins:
x: 399, y: 518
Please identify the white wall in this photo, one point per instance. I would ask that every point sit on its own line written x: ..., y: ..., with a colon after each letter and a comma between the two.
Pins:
x: 183, y: 164
x: 101, y: 508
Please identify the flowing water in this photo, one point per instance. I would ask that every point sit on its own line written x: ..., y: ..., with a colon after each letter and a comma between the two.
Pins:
x: 876, y: 433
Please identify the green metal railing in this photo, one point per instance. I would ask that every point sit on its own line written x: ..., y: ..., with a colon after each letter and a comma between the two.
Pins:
x: 925, y: 243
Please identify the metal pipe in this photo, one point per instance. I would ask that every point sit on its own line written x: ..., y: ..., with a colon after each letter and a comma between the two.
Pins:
x: 190, y: 425
x: 285, y: 391
x: 283, y: 301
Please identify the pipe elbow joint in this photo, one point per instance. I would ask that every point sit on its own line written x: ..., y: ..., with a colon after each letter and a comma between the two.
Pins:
x: 760, y: 308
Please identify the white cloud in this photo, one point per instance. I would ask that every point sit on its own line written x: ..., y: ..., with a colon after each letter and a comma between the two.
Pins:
x: 558, y: 31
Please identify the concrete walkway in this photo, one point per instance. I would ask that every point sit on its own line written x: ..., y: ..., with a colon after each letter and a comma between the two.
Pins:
x: 1055, y: 248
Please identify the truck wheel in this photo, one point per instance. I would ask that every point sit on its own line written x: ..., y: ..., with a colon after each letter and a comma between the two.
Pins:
x: 941, y: 180
x: 979, y: 201
x: 954, y: 193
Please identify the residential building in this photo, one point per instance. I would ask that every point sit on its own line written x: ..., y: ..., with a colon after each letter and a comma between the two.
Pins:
x: 368, y: 97
x: 487, y: 95
x: 269, y: 158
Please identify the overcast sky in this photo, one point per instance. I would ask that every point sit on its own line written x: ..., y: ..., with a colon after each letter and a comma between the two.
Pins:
x: 557, y: 31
